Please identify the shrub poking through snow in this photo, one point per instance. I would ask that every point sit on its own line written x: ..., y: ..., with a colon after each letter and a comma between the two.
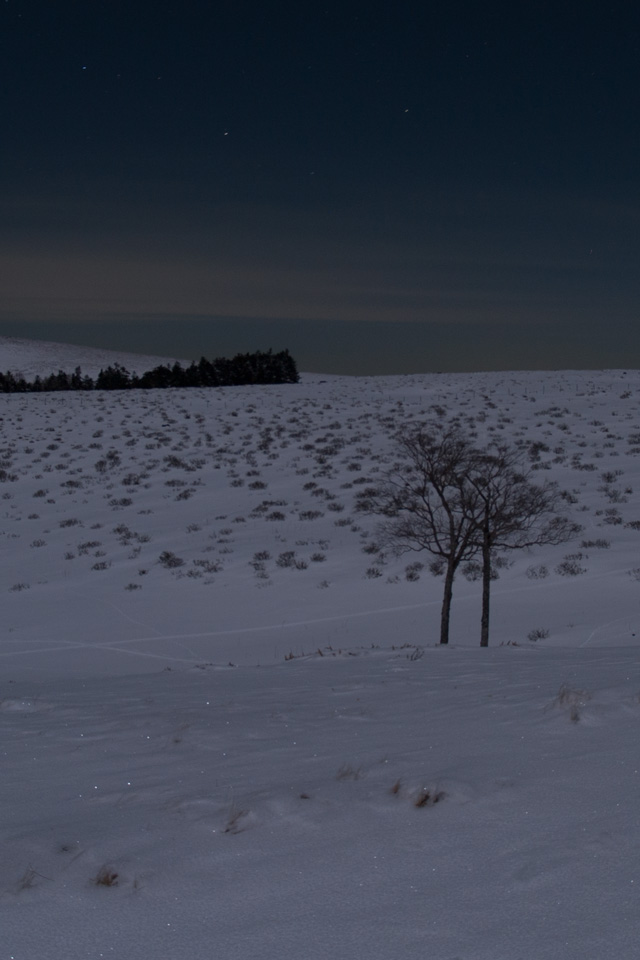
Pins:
x: 570, y: 566
x: 537, y: 573
x: 540, y: 633
x: 106, y: 877
x: 287, y: 559
x: 428, y: 798
x: 169, y: 560
x: 413, y: 570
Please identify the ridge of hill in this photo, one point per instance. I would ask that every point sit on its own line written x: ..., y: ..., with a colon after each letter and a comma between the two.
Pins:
x: 32, y: 358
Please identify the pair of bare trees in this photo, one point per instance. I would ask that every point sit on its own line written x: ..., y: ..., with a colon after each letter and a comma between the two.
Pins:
x: 463, y: 505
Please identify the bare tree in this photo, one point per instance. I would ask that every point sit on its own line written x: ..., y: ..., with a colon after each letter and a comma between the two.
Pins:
x: 512, y: 513
x: 428, y: 504
x: 457, y: 503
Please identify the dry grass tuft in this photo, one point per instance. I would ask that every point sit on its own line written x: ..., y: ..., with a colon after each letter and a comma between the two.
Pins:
x: 572, y: 700
x: 348, y: 772
x: 235, y: 822
x: 428, y: 798
x: 29, y: 877
x: 106, y: 877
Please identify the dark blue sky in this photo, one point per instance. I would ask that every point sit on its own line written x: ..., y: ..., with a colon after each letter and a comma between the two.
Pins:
x: 378, y: 188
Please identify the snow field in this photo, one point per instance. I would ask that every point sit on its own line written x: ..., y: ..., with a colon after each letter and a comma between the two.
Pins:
x: 220, y: 699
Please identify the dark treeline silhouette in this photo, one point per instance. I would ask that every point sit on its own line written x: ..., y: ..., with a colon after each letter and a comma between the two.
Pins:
x: 243, y: 369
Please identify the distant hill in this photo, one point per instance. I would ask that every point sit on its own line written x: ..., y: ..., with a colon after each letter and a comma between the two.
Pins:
x: 32, y: 358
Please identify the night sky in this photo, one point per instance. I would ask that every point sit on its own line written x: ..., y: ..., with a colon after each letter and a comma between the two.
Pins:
x: 380, y: 188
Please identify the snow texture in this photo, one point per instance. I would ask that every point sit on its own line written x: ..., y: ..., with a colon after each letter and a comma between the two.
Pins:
x: 226, y: 727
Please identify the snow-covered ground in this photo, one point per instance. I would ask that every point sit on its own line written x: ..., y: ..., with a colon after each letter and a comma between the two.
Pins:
x: 32, y: 358
x: 217, y: 697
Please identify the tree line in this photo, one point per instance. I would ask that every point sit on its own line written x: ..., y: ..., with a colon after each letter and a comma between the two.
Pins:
x: 466, y: 507
x: 241, y: 370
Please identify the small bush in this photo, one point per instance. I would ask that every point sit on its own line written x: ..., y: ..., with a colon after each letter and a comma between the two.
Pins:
x: 612, y: 517
x: 83, y: 548
x: 413, y: 570
x: 169, y: 560
x: 371, y: 548
x: 472, y: 570
x: 570, y: 566
x: 287, y: 559
x: 540, y: 633
x: 209, y: 566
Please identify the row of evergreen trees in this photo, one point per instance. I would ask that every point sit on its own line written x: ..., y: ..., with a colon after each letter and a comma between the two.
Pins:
x: 244, y: 368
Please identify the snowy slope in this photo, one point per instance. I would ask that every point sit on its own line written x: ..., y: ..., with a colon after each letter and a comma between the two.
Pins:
x: 215, y: 687
x: 32, y: 358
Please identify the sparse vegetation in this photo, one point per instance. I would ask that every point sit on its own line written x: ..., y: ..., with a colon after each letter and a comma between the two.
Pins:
x: 170, y: 560
x: 164, y: 681
x: 571, y: 566
x: 106, y: 877
x: 427, y: 797
x: 348, y: 772
x: 571, y: 700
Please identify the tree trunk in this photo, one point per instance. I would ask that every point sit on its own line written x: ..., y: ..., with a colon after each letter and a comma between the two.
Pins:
x: 486, y: 587
x: 446, y: 603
